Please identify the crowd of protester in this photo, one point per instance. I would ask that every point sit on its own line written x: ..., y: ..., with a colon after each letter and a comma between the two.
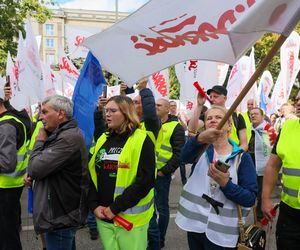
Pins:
x: 138, y: 145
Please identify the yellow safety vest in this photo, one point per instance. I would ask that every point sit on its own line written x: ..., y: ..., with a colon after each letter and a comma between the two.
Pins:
x: 15, y: 179
x: 128, y: 161
x: 288, y: 151
x: 248, y: 125
x: 156, y: 141
x: 31, y: 142
x: 165, y: 151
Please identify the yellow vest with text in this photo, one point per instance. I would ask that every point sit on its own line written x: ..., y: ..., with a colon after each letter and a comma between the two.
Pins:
x: 248, y: 125
x: 165, y: 151
x: 128, y: 161
x: 15, y: 179
x: 289, y: 153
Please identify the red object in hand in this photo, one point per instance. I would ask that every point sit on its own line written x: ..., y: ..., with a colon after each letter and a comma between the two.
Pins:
x: 272, y: 133
x: 124, y: 223
x: 264, y: 221
x: 201, y: 91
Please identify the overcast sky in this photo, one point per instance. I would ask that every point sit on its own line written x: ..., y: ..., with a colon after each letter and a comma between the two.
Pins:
x: 123, y: 5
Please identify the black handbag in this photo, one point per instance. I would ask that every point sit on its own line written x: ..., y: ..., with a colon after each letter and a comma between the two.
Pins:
x: 252, y: 237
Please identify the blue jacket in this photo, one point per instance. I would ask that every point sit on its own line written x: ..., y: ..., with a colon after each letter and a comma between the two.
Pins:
x: 245, y: 192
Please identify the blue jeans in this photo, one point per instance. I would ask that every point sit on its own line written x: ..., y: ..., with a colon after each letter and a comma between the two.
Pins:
x: 199, y: 241
x: 157, y: 230
x: 91, y: 221
x: 62, y: 239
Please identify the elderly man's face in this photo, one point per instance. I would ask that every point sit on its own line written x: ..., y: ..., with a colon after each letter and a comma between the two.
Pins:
x: 50, y: 117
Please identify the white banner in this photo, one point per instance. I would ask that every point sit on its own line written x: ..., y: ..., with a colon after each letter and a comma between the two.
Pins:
x: 69, y: 74
x: 21, y: 81
x: 33, y: 65
x: 113, y: 91
x: 75, y: 36
x: 252, y: 93
x: 267, y: 81
x: 238, y: 78
x: 289, y: 60
x: 166, y: 32
x: 290, y: 66
x: 159, y: 84
x: 48, y: 79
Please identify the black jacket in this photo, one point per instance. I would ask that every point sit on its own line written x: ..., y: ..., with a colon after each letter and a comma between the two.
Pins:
x: 59, y: 167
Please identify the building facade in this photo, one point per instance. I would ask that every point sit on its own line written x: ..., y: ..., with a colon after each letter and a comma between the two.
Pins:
x: 67, y: 28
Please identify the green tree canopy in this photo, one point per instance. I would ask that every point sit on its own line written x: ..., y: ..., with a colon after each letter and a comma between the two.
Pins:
x: 12, y: 17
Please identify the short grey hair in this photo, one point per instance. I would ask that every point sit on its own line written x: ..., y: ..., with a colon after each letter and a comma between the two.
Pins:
x: 60, y: 102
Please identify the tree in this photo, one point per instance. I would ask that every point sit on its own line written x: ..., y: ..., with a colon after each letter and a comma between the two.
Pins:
x: 13, y: 15
x: 174, y: 84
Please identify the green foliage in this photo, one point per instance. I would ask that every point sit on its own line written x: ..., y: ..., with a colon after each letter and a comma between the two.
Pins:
x: 13, y: 15
x: 174, y: 91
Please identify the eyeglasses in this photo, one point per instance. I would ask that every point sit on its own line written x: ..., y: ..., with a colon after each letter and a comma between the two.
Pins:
x: 110, y: 110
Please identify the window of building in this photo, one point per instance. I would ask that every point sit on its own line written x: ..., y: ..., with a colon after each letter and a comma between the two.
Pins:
x: 50, y: 29
x: 49, y: 43
x: 50, y: 59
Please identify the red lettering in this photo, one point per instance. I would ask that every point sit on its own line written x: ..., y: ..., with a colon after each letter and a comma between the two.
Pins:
x: 193, y: 64
x: 234, y: 70
x: 250, y: 2
x: 169, y: 37
x: 65, y: 65
x: 160, y: 83
x: 78, y: 40
x: 291, y: 63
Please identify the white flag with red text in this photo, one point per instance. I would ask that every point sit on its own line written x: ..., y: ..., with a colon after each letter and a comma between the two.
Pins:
x: 20, y: 79
x: 166, y: 32
x: 289, y: 60
x: 33, y: 67
x: 48, y: 79
x: 159, y: 84
x: 238, y: 77
x: 69, y: 74
x: 75, y: 36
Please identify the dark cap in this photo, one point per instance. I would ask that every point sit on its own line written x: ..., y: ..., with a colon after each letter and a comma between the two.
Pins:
x: 219, y: 89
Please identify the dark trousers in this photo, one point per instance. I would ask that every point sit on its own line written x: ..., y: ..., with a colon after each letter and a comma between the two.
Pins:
x: 199, y: 241
x: 259, y: 213
x: 182, y: 173
x: 9, y: 218
x: 288, y: 229
x: 157, y: 230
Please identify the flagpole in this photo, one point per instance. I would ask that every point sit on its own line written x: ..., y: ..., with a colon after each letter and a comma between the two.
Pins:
x: 253, y: 79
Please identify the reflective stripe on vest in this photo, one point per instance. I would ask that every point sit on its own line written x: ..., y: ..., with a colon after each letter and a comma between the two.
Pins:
x: 165, y: 151
x: 15, y: 179
x: 225, y: 212
x: 142, y: 212
x: 288, y: 151
x: 211, y: 225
